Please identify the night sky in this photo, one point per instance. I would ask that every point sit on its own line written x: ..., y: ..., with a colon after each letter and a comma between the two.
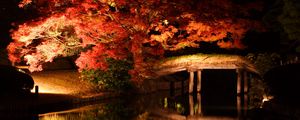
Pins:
x: 8, y: 13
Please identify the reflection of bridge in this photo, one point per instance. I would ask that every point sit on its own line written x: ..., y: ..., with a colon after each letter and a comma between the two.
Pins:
x: 197, y: 110
x: 194, y: 64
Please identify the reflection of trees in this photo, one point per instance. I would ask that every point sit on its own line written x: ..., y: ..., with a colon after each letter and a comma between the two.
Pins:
x: 110, y: 111
x: 173, y: 105
x: 153, y: 106
x: 133, y: 107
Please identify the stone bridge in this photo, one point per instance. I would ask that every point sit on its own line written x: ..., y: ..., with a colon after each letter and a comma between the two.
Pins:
x: 198, y: 62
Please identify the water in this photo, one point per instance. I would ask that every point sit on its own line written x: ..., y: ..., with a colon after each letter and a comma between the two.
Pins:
x: 218, y: 100
x: 152, y: 106
x: 158, y: 106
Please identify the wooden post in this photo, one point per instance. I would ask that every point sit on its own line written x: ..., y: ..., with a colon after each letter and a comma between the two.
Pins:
x: 199, y: 110
x: 245, y: 104
x: 191, y: 104
x: 239, y: 81
x: 238, y: 106
x: 36, y: 91
x: 246, y: 79
x: 191, y: 82
x: 198, y: 80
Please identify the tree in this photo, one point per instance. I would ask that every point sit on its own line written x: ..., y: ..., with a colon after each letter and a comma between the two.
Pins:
x: 137, y: 30
x: 289, y: 19
x: 282, y: 18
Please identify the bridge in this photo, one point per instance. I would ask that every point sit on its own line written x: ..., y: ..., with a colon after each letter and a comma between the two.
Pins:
x: 194, y: 64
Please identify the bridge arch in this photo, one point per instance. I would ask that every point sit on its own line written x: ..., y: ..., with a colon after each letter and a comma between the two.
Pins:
x: 194, y: 64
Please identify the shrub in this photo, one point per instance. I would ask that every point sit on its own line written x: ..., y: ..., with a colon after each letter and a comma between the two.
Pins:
x: 264, y: 61
x: 115, y: 78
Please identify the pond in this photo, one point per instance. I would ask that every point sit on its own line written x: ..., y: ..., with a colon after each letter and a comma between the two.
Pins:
x: 162, y: 105
x: 217, y: 100
x: 153, y: 106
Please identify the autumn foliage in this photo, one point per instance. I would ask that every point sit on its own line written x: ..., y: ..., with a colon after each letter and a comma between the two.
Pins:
x: 138, y: 30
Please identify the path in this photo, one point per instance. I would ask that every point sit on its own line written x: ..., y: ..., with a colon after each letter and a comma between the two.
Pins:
x: 62, y: 82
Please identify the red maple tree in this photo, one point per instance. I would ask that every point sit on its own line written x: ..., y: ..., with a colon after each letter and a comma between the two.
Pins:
x: 138, y: 29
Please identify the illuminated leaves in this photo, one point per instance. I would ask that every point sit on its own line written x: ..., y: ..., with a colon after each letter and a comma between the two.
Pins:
x: 15, y: 51
x: 49, y: 50
x: 24, y: 3
x: 92, y: 59
x: 50, y: 28
x: 138, y: 30
x: 35, y: 61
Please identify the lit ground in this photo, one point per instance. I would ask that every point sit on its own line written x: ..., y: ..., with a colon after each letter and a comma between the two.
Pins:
x: 59, y: 90
x: 61, y: 82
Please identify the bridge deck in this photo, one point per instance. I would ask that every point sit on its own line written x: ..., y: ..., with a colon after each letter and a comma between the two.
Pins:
x: 202, y: 61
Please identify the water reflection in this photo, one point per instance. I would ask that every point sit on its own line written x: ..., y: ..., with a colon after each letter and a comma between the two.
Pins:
x: 116, y: 111
x: 195, y: 108
x: 153, y: 106
x: 158, y: 106
x: 12, y: 109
